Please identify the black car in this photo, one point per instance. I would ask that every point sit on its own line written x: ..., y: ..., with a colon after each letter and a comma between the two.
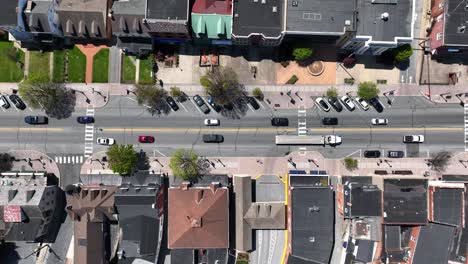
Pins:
x: 36, y: 120
x: 171, y: 102
x: 17, y: 101
x: 335, y: 103
x: 395, y: 154
x: 376, y: 104
x: 329, y: 121
x: 253, y: 102
x: 213, y: 138
x: 372, y: 154
x: 279, y: 121
x: 85, y: 119
x: 201, y: 104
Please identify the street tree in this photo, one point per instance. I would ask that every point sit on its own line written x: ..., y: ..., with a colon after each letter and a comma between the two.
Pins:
x: 153, y: 98
x: 223, y: 85
x: 257, y: 92
x: 5, y: 162
x: 332, y: 92
x: 123, y: 159
x: 176, y: 92
x: 301, y: 54
x: 368, y: 90
x: 402, y: 53
x: 440, y: 161
x: 350, y: 163
x: 184, y: 164
x: 54, y: 98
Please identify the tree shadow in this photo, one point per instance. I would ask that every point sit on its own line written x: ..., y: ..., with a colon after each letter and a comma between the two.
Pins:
x: 63, y: 106
x: 142, y: 161
x: 402, y: 66
x: 9, y: 253
x: 236, y: 110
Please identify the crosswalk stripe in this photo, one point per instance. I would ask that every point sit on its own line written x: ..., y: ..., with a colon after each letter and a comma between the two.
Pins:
x: 56, y: 159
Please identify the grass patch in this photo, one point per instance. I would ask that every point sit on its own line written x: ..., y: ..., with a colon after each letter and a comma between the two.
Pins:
x: 11, y: 63
x: 129, y: 70
x: 101, y: 66
x: 39, y: 66
x: 76, y: 66
x: 145, y: 72
x: 59, y: 66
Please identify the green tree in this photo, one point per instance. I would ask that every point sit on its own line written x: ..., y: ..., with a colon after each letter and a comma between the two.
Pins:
x: 332, y: 92
x: 175, y: 92
x: 5, y: 162
x: 257, y: 92
x: 301, y: 54
x: 368, y: 90
x: 122, y: 159
x: 350, y: 163
x: 223, y: 85
x: 402, y: 53
x: 57, y: 100
x: 184, y: 164
x: 153, y: 98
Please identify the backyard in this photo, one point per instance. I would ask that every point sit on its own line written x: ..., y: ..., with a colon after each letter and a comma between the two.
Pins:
x: 76, y: 66
x: 39, y: 66
x: 11, y: 63
x: 59, y: 66
x: 101, y: 66
x: 129, y: 70
x: 146, y: 71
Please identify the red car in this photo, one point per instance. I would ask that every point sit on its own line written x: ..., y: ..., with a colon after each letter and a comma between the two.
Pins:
x: 146, y: 139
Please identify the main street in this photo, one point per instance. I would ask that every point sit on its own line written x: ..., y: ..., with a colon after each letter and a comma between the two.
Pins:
x: 251, y: 135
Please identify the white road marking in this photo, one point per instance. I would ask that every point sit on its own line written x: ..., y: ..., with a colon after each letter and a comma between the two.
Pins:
x: 360, y: 153
x: 162, y: 154
x: 196, y: 106
x: 251, y: 109
x: 260, y: 103
x: 183, y: 106
x: 466, y: 126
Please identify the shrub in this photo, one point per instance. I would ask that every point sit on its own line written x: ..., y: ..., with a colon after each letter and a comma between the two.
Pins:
x: 176, y: 92
x: 332, y: 92
x: 257, y: 92
x: 350, y: 163
x: 368, y: 90
x: 292, y: 80
x: 402, y: 53
x: 302, y: 53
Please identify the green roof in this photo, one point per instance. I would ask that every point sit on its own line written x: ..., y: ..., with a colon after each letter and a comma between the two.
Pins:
x: 212, y: 26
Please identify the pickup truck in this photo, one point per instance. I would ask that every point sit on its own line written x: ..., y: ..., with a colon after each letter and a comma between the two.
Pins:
x: 413, y: 139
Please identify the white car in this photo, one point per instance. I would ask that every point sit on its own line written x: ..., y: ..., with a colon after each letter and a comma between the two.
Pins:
x: 211, y: 122
x: 105, y: 141
x: 362, y: 103
x: 322, y: 104
x: 413, y: 139
x: 379, y: 121
x: 347, y: 102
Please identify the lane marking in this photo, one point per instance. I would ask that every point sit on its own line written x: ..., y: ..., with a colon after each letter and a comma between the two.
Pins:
x: 196, y: 106
x: 48, y: 129
x: 183, y: 106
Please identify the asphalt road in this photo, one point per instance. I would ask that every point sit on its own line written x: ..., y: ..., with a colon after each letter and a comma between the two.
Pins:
x: 251, y: 135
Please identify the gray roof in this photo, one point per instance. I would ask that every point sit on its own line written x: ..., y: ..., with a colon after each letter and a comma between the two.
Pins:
x: 392, y: 237
x: 455, y: 178
x: 167, y: 10
x: 315, y: 205
x: 257, y: 18
x: 319, y: 16
x: 38, y: 17
x: 127, y: 17
x: 365, y: 250
x: 399, y: 22
x: 8, y: 13
x: 208, y: 256
x: 83, y: 18
x: 448, y: 205
x: 405, y: 201
x: 455, y: 16
x: 362, y: 200
x: 433, y: 238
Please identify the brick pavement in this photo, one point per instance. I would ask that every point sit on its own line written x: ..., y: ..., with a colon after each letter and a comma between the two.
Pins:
x: 31, y: 160
x: 89, y: 51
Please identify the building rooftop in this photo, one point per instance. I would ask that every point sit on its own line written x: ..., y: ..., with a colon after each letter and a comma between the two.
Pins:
x: 433, y: 238
x: 312, y: 205
x: 319, y: 16
x: 168, y: 10
x: 365, y: 250
x: 405, y: 201
x: 362, y: 200
x: 198, y: 217
x: 398, y: 24
x: 220, y: 7
x: 267, y: 21
x: 447, y: 205
x: 195, y: 256
x: 8, y: 13
x: 392, y: 237
x: 83, y: 18
x: 456, y: 25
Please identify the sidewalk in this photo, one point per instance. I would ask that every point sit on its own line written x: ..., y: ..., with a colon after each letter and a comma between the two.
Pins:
x: 31, y: 160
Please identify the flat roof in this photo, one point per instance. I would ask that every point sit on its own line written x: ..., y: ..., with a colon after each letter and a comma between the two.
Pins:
x: 392, y: 237
x: 257, y: 18
x: 365, y: 250
x: 363, y: 200
x: 405, y: 201
x: 312, y: 205
x: 212, y: 7
x: 322, y: 16
x: 433, y: 238
x: 455, y: 16
x: 448, y: 205
x: 8, y: 13
x: 398, y: 23
x: 167, y: 9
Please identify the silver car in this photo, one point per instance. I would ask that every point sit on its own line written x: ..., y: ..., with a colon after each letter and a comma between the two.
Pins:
x: 348, y: 103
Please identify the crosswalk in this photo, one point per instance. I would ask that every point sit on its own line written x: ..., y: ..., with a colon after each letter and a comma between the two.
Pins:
x: 89, y: 134
x: 75, y: 159
x: 301, y: 121
x: 466, y: 126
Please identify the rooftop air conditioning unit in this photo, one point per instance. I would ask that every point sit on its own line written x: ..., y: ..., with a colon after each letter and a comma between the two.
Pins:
x: 263, y: 1
x: 347, y: 22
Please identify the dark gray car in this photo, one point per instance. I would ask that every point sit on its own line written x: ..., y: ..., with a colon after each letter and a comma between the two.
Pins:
x: 36, y: 120
x: 201, y: 104
x: 213, y: 138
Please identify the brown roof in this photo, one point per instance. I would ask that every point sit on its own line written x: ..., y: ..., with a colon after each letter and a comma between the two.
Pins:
x: 89, y: 243
x: 198, y: 217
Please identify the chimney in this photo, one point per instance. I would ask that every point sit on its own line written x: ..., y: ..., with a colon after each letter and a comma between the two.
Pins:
x: 199, y: 196
x: 12, y: 194
x: 29, y: 195
x: 214, y: 186
x: 185, y: 185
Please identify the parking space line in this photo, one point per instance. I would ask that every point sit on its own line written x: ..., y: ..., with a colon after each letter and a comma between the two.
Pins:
x: 261, y: 104
x: 3, y: 109
x: 183, y: 106
x: 196, y: 106
x: 155, y: 150
x: 251, y: 109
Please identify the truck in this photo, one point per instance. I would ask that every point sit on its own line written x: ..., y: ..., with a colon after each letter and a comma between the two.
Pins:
x: 413, y: 139
x: 332, y: 140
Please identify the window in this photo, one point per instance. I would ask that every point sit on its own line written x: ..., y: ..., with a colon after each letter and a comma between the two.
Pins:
x: 439, y: 36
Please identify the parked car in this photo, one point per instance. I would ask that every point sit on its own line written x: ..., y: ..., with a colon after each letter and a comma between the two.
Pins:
x: 253, y: 102
x: 413, y: 139
x: 362, y: 103
x: 16, y: 100
x: 4, y: 102
x: 335, y: 103
x: 279, y: 121
x: 216, y: 107
x: 146, y: 139
x: 213, y: 138
x: 375, y: 102
x: 211, y: 122
x: 105, y: 141
x: 322, y: 104
x: 171, y: 102
x: 36, y: 120
x: 330, y: 121
x: 372, y: 154
x: 85, y: 119
x: 201, y: 104
x: 395, y: 154
x: 347, y: 102
x: 379, y: 121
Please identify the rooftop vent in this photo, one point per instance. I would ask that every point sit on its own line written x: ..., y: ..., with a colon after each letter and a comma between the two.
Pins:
x: 347, y: 22
x: 461, y: 29
x: 295, y: 3
x: 384, y: 16
x: 466, y: 7
x: 236, y: 15
x: 275, y: 9
x: 263, y: 1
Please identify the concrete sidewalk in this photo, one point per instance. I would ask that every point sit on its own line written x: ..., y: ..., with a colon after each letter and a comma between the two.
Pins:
x: 31, y: 160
